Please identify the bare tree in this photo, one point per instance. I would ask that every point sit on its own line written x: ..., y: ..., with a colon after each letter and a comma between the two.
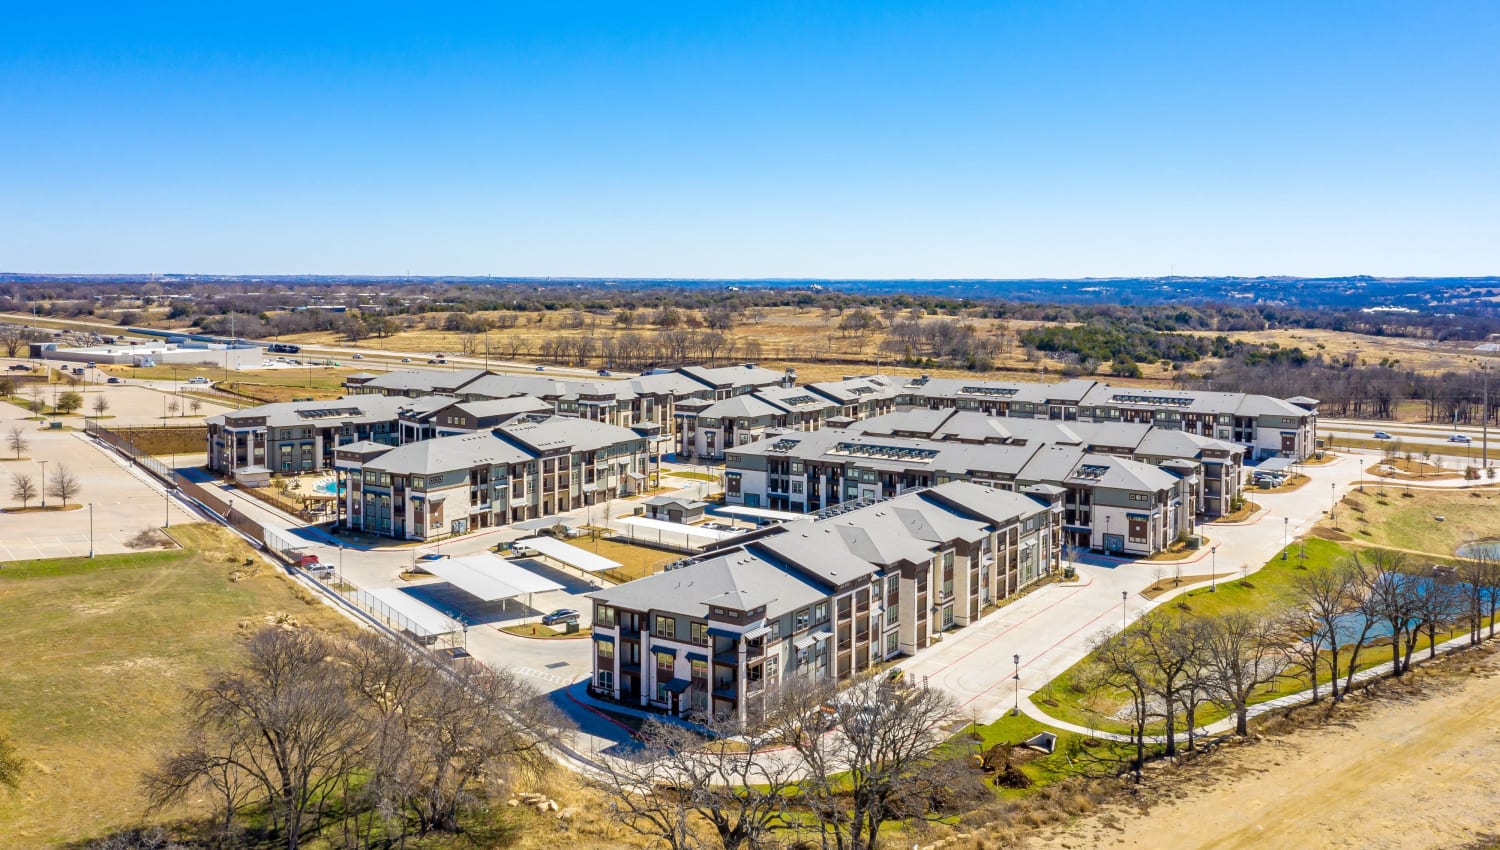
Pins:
x: 1481, y: 582
x: 1303, y: 641
x: 285, y: 720
x: 882, y: 754
x: 174, y: 407
x: 1170, y: 647
x: 22, y: 488
x: 101, y: 404
x: 1332, y: 597
x: 63, y: 485
x: 738, y: 787
x: 1240, y: 653
x: 16, y: 439
x: 1120, y: 663
x: 1396, y: 598
x: 195, y: 405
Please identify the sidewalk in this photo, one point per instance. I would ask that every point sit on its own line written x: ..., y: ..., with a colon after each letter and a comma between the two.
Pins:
x: 1219, y: 727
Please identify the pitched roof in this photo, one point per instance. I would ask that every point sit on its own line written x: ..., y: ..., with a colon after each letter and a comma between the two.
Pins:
x: 739, y: 579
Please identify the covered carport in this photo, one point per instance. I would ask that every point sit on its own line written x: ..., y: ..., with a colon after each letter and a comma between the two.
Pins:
x: 760, y: 516
x: 490, y: 578
x: 402, y: 611
x: 675, y: 534
x: 567, y: 554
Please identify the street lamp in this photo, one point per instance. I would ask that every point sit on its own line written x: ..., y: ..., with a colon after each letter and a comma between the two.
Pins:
x: 1124, y: 595
x: 1017, y: 710
x: 44, y: 484
x: 91, y: 529
x: 1285, y: 532
x: 1361, y: 475
x: 1213, y: 568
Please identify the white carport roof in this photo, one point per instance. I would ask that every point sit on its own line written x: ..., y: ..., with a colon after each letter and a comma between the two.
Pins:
x: 759, y: 513
x: 580, y: 559
x: 421, y: 619
x: 489, y: 577
x: 677, y: 528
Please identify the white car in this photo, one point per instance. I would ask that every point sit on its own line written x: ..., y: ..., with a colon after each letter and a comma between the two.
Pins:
x: 1460, y: 438
x: 199, y: 379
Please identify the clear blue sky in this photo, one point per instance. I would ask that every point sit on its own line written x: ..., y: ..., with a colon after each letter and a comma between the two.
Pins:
x: 823, y: 139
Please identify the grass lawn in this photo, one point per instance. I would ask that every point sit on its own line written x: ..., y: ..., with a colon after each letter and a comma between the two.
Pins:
x: 696, y: 476
x: 635, y: 561
x: 1074, y: 755
x: 542, y: 632
x: 1384, y: 515
x: 98, y: 656
x: 1267, y: 589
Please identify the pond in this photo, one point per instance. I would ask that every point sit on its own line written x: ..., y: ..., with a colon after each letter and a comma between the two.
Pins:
x: 1487, y: 549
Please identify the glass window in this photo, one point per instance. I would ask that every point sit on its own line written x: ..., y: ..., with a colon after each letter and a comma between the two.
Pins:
x: 606, y: 650
x: 666, y: 626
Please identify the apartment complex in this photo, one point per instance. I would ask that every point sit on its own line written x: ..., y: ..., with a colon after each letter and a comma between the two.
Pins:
x: 824, y: 597
x: 1123, y: 489
x: 523, y: 470
x: 300, y: 436
x: 1265, y: 426
x: 626, y: 402
x: 706, y: 430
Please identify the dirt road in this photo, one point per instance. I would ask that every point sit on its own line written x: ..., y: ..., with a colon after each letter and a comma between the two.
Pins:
x: 1412, y: 773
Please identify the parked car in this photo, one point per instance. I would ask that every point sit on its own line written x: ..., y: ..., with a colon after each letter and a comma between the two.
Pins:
x: 1381, y: 435
x: 432, y: 556
x: 114, y: 381
x: 561, y: 615
x: 1460, y: 438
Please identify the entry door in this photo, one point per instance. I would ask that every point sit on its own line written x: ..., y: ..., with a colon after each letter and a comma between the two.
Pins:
x: 1114, y: 542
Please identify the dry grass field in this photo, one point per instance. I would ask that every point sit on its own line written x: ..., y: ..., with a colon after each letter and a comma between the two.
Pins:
x: 99, y: 655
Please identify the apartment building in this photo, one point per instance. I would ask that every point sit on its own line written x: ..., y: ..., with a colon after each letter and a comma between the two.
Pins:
x: 524, y: 469
x: 296, y: 437
x: 1112, y: 502
x: 826, y: 597
x: 1263, y: 425
x: 706, y: 429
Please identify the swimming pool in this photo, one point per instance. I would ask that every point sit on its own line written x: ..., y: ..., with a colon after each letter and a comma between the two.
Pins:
x: 327, y: 487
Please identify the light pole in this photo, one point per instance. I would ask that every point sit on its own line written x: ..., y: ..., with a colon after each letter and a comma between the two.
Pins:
x: 1124, y: 595
x: 1213, y: 568
x: 1107, y: 518
x: 1017, y: 710
x: 1333, y: 491
x: 44, y: 484
x: 1285, y: 532
x: 1361, y: 475
x: 1484, y: 418
x: 91, y: 529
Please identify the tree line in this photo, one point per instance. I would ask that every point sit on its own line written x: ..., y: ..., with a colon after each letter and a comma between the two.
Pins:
x: 358, y: 741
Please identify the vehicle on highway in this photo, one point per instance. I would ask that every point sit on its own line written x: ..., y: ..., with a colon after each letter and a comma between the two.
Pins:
x: 198, y: 379
x: 541, y: 368
x: 284, y: 348
x: 561, y: 615
x: 114, y: 381
x: 20, y: 367
x: 604, y: 373
x: 1460, y: 438
x: 431, y: 360
x: 1381, y: 435
x: 359, y: 357
x: 406, y: 360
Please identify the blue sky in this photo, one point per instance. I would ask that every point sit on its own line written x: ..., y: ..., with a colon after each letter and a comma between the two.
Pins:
x: 712, y: 139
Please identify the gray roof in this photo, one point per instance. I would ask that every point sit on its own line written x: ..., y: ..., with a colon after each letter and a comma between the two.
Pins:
x: 287, y: 414
x: 444, y: 454
x: 739, y: 579
x: 564, y: 432
x: 424, y: 380
x: 745, y: 404
x: 746, y: 375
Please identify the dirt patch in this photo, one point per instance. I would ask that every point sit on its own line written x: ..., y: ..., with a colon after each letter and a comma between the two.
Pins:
x: 1415, y: 770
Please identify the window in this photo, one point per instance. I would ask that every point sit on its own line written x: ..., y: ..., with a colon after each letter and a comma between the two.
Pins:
x: 604, y: 680
x: 775, y: 630
x: 666, y: 626
x: 820, y: 612
x: 772, y: 665
x: 892, y: 643
x: 893, y: 599
x: 699, y: 669
x: 419, y: 482
x: 606, y: 650
x: 1139, y: 497
x: 604, y: 616
x: 700, y: 634
x: 802, y: 619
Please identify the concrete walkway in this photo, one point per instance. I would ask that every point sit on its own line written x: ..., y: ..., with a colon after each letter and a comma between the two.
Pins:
x: 1225, y: 725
